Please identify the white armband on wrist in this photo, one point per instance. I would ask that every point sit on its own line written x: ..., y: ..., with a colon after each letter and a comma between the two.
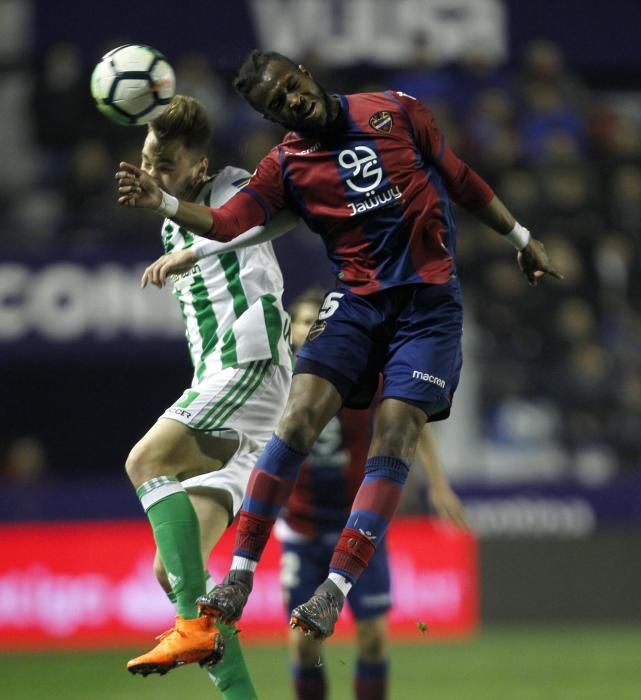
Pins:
x: 519, y: 236
x: 168, y: 206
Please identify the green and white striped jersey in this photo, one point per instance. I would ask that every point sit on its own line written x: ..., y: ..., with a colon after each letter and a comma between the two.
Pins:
x: 231, y: 302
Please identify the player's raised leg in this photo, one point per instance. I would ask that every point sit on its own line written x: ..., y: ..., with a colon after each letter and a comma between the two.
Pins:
x: 311, y: 404
x: 396, y: 431
x: 214, y: 508
x: 168, y: 451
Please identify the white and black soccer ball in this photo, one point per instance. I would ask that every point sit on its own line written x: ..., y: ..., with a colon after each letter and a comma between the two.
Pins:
x: 132, y: 84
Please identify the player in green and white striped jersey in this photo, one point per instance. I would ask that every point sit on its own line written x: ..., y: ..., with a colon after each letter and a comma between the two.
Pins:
x: 191, y: 469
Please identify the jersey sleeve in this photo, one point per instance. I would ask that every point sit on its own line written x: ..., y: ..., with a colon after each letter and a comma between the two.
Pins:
x: 466, y: 187
x: 255, y: 204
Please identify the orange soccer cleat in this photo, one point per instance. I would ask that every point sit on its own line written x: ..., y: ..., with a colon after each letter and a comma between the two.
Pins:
x: 188, y: 642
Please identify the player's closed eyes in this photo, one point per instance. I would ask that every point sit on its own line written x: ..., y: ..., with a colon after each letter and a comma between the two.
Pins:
x: 279, y: 103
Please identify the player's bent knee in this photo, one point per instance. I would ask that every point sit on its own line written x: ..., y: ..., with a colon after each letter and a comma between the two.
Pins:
x: 143, y: 463
x: 397, y: 436
x: 300, y: 426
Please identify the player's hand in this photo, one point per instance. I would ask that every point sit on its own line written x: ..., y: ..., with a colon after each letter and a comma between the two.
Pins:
x: 173, y: 263
x: 136, y: 188
x: 534, y: 262
x: 447, y: 505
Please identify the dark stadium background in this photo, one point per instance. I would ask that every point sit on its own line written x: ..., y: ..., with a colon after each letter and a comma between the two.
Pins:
x: 542, y: 97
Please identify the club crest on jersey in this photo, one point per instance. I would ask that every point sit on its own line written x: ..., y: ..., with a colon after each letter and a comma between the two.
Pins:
x: 316, y: 330
x: 382, y: 121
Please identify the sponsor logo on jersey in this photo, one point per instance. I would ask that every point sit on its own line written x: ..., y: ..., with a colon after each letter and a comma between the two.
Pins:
x: 178, y: 411
x: 374, y: 200
x: 426, y: 377
x: 362, y: 162
x: 382, y: 121
x: 317, y: 328
x: 177, y: 277
x: 311, y: 149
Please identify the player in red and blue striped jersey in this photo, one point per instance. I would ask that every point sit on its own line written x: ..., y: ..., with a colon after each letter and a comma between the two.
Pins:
x: 312, y: 522
x: 372, y: 174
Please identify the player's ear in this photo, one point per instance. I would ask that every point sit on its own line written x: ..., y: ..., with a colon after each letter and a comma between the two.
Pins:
x: 203, y: 168
x: 304, y: 70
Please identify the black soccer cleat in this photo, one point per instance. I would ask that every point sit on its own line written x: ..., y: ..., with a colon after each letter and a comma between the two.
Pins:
x: 317, y: 617
x: 226, y: 601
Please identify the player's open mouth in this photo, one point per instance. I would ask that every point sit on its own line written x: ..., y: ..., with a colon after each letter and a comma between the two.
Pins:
x: 310, y: 110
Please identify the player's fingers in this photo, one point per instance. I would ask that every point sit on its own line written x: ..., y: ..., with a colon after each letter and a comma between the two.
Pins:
x: 148, y: 274
x: 161, y: 273
x: 127, y: 182
x: 553, y: 272
x: 123, y: 176
x: 129, y: 188
x: 531, y: 278
x: 155, y: 275
x: 160, y: 276
x: 165, y: 270
x: 129, y: 167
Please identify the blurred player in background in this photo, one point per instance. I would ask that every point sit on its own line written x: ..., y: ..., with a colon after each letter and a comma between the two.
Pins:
x: 191, y: 469
x: 372, y: 174
x: 312, y: 522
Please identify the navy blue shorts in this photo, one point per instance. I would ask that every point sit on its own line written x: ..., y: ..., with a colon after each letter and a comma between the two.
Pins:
x: 304, y: 567
x: 410, y: 334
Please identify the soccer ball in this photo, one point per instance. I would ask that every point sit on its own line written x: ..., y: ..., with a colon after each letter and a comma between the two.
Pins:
x: 133, y: 84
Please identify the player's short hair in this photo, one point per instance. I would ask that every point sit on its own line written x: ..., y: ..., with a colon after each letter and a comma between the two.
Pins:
x: 251, y: 71
x: 313, y: 296
x: 185, y: 119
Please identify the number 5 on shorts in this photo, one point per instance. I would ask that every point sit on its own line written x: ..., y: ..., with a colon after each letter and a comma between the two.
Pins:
x: 330, y: 305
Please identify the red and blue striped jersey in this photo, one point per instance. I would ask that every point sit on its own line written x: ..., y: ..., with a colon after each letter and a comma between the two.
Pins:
x: 377, y: 187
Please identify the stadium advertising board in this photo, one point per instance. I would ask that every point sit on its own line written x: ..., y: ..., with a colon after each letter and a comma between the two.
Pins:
x: 90, y: 584
x: 52, y: 306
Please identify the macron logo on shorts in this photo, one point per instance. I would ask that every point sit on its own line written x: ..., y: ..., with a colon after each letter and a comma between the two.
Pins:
x: 424, y: 376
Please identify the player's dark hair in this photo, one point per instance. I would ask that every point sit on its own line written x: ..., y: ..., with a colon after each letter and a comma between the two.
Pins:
x: 313, y: 296
x: 251, y: 71
x: 184, y: 119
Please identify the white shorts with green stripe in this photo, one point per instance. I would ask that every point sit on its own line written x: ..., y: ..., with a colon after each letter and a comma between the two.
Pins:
x: 239, y: 402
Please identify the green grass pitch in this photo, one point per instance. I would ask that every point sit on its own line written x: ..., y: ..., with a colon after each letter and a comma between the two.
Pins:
x: 500, y: 663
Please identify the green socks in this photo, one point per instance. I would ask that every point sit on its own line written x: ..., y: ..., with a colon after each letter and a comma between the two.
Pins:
x: 231, y: 676
x: 177, y: 534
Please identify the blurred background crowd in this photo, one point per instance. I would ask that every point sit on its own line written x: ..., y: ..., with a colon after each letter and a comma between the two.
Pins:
x: 552, y: 382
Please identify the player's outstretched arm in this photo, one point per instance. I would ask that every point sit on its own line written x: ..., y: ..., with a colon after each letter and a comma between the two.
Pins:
x: 183, y: 260
x: 470, y: 191
x: 532, y: 256
x: 137, y: 189
x: 283, y: 222
x: 444, y: 501
x: 239, y: 214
